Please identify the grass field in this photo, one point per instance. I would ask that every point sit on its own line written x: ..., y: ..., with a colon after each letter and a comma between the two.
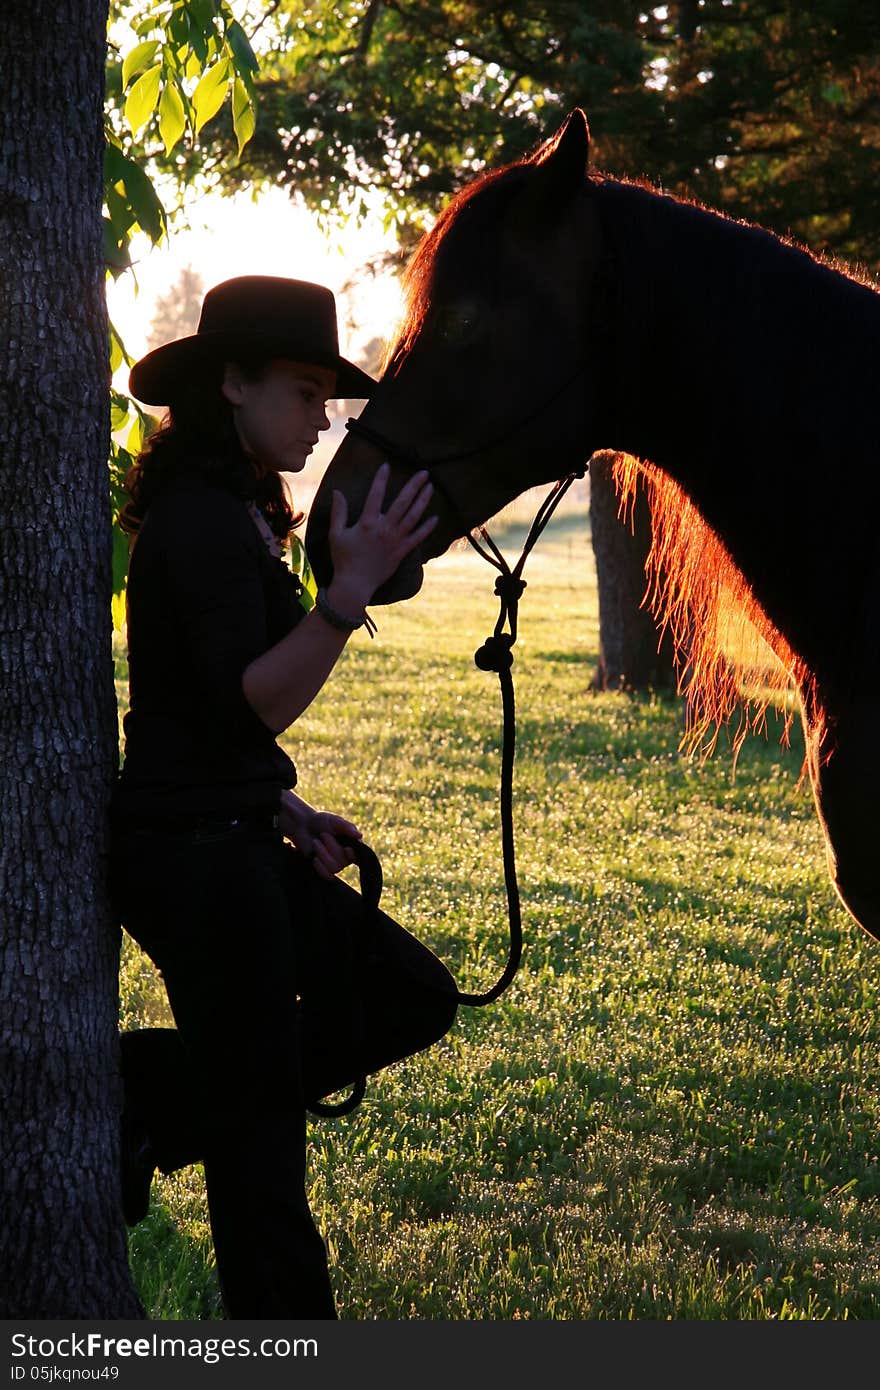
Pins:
x: 674, y: 1111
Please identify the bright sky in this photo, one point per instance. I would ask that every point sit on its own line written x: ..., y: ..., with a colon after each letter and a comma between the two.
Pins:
x: 269, y: 235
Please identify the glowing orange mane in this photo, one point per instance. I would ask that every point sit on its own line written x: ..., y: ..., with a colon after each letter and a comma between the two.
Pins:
x: 421, y: 272
x: 730, y: 656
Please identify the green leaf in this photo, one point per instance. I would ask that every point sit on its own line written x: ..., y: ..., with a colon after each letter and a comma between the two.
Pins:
x: 113, y: 82
x: 116, y: 254
x: 202, y: 14
x: 120, y: 560
x: 141, y: 196
x: 243, y: 118
x: 201, y: 22
x: 177, y: 29
x: 119, y: 211
x: 209, y: 94
x: 243, y: 55
x: 139, y: 58
x: 114, y: 163
x: 118, y: 353
x: 172, y: 118
x: 299, y: 563
x: 135, y: 441
x: 117, y: 611
x: 118, y: 413
x: 120, y: 462
x: 116, y: 350
x: 119, y: 465
x: 141, y: 100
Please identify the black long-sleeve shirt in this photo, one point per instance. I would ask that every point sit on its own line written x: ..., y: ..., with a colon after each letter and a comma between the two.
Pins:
x: 205, y: 598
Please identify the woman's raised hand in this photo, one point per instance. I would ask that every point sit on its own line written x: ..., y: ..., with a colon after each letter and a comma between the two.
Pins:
x: 367, y: 553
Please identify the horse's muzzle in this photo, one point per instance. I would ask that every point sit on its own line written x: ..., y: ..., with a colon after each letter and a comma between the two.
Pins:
x: 352, y: 474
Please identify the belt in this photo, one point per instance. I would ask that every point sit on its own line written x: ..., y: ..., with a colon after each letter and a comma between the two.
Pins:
x: 248, y: 819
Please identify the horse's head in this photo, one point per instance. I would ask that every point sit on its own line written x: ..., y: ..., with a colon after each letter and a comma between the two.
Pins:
x: 486, y: 382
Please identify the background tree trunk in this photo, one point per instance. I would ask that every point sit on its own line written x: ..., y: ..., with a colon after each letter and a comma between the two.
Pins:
x: 632, y: 654
x: 62, y: 1239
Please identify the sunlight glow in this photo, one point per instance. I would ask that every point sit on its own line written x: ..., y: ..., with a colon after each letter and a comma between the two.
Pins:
x: 269, y: 234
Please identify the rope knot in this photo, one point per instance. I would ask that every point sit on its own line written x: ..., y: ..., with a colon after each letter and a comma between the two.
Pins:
x: 509, y: 588
x: 495, y: 653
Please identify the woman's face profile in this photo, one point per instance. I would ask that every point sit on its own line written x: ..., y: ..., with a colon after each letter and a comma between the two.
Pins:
x: 279, y: 415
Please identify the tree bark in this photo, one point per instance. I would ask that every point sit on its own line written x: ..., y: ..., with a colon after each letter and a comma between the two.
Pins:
x: 62, y: 1239
x: 632, y: 653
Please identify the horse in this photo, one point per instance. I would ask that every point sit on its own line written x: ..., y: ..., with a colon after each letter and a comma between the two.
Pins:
x: 553, y: 312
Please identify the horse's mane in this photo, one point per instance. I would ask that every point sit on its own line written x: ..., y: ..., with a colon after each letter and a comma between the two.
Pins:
x: 731, y: 659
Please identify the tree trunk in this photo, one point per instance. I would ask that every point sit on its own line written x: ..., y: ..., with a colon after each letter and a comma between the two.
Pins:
x: 632, y: 654
x: 62, y: 1239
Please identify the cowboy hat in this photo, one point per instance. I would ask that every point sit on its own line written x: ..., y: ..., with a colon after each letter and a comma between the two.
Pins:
x: 263, y: 314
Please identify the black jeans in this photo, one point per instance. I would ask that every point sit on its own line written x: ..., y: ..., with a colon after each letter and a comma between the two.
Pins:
x: 211, y: 909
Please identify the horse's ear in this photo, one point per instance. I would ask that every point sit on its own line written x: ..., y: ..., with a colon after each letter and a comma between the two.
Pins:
x: 560, y: 166
x: 569, y: 148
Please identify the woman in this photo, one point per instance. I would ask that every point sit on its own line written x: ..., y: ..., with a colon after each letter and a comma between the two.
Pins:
x: 223, y: 658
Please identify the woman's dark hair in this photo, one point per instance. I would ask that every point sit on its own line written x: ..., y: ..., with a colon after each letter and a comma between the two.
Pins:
x: 198, y: 435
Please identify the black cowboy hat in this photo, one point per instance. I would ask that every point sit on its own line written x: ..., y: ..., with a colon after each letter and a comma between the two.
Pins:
x: 263, y: 314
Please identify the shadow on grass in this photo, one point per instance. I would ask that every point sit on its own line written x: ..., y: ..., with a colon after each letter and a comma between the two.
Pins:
x: 173, y: 1268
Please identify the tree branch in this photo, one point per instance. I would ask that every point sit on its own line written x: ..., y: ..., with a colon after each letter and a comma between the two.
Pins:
x: 368, y: 24
x: 508, y: 91
x: 688, y: 19
x: 462, y: 45
x: 273, y: 9
x: 522, y: 61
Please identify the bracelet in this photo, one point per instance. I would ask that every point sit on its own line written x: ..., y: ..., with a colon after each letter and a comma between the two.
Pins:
x: 332, y: 616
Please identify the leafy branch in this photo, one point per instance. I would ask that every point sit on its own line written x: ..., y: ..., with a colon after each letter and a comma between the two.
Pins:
x: 185, y: 59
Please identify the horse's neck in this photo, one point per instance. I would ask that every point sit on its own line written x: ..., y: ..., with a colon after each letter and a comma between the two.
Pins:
x: 731, y: 339
x: 744, y: 369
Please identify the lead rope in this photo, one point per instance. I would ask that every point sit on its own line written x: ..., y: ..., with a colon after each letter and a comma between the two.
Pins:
x: 496, y: 654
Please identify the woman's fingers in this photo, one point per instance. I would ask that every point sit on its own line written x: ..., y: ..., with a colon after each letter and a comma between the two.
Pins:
x: 376, y: 494
x: 340, y: 826
x: 329, y: 856
x: 338, y: 513
x: 416, y: 537
x: 412, y: 498
x: 416, y: 508
x: 415, y: 493
x: 374, y: 545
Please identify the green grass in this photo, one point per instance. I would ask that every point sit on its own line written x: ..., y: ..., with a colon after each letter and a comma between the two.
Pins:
x: 673, y: 1112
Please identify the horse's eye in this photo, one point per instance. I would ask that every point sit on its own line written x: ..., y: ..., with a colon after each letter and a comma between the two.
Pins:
x: 457, y: 322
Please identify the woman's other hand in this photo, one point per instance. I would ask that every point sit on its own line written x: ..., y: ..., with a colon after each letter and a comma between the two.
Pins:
x: 318, y: 834
x: 329, y: 856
